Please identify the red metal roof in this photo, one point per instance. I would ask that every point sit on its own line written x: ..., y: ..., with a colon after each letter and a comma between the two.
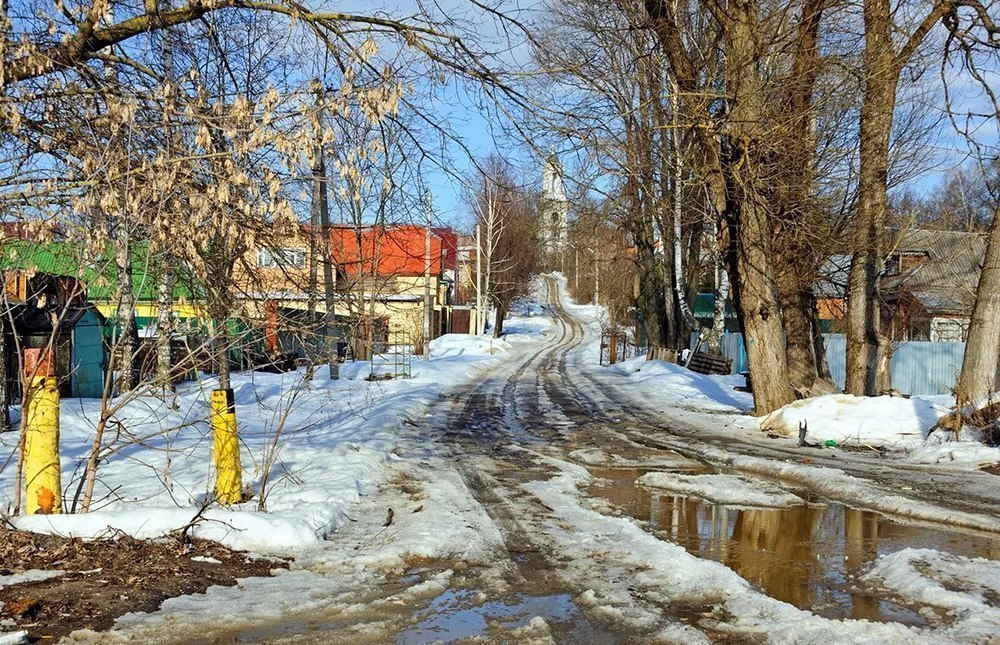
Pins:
x: 387, y: 250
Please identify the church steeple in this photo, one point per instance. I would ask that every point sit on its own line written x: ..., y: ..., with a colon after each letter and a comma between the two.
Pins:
x: 552, y: 180
x: 553, y: 208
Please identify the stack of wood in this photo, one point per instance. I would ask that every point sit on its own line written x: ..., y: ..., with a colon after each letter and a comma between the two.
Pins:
x: 706, y: 363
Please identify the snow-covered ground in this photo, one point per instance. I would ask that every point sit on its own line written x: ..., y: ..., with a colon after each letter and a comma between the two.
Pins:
x: 328, y: 443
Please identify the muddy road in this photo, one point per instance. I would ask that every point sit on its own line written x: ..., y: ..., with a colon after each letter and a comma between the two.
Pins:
x: 515, y: 424
x: 568, y: 511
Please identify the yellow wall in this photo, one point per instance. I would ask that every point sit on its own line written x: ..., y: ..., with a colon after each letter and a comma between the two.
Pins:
x: 109, y: 310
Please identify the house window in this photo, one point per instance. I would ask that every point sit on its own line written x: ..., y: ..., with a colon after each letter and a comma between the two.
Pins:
x: 285, y: 258
x: 892, y: 265
x: 949, y: 330
x: 899, y: 262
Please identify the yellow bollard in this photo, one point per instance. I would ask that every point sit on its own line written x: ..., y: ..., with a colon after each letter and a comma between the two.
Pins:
x: 228, y: 472
x: 42, y: 476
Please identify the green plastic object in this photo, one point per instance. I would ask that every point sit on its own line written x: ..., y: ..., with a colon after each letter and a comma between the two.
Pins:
x: 830, y: 443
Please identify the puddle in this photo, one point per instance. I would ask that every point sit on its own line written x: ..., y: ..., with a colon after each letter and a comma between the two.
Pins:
x: 807, y: 556
x: 462, y: 614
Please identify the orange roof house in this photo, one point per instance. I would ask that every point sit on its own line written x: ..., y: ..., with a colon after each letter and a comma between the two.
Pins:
x: 384, y: 251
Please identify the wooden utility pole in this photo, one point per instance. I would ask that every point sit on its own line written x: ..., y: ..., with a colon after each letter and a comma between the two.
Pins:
x: 427, y: 282
x: 480, y: 301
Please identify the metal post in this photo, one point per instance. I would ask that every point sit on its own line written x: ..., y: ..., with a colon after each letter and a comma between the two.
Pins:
x: 427, y: 282
x: 42, y: 473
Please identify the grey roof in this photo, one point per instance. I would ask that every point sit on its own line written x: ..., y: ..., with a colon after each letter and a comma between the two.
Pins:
x: 946, y: 281
x: 832, y: 280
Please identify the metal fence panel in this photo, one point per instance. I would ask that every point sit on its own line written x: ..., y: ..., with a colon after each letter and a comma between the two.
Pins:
x: 918, y: 367
x: 926, y: 368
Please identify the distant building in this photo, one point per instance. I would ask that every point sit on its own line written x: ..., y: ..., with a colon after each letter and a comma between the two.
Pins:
x: 379, y: 273
x: 553, y: 209
x: 927, y: 287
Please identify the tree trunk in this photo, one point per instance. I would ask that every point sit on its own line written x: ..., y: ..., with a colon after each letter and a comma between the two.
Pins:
x: 321, y: 221
x: 868, y: 349
x: 312, y: 296
x: 721, y: 297
x: 982, y: 349
x: 4, y: 364
x: 799, y: 251
x: 754, y: 283
x: 221, y: 345
x: 164, y: 323
x: 799, y: 310
x: 738, y: 197
x: 128, y: 341
x: 332, y: 335
x: 498, y: 322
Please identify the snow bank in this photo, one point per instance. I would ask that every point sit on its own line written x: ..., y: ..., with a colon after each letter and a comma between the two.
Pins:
x: 938, y: 449
x: 891, y: 422
x: 675, y: 385
x: 878, y: 421
x: 730, y: 490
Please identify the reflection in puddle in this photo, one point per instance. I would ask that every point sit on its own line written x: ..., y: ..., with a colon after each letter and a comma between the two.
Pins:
x: 456, y: 614
x: 807, y: 556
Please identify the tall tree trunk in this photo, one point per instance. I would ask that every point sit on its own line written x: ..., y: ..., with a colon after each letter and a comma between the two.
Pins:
x: 331, y: 335
x: 312, y: 297
x: 754, y: 283
x: 982, y: 349
x: 798, y: 256
x: 867, y: 347
x: 498, y: 322
x: 721, y: 294
x: 5, y: 353
x: 221, y: 343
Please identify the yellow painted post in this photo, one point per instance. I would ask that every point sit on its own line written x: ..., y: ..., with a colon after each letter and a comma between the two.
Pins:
x: 42, y: 476
x: 228, y: 472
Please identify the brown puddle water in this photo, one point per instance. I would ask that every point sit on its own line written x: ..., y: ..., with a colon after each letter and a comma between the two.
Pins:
x: 807, y: 556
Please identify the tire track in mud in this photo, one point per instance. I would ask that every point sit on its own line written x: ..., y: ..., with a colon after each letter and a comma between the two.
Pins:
x: 486, y: 431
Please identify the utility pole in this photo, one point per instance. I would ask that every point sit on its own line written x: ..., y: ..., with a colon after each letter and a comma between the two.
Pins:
x: 597, y: 280
x: 427, y: 282
x: 480, y: 314
x: 576, y: 271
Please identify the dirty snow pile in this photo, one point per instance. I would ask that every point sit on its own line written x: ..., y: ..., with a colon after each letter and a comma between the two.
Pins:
x: 881, y: 421
x: 730, y: 490
x: 321, y: 444
x: 963, y: 589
